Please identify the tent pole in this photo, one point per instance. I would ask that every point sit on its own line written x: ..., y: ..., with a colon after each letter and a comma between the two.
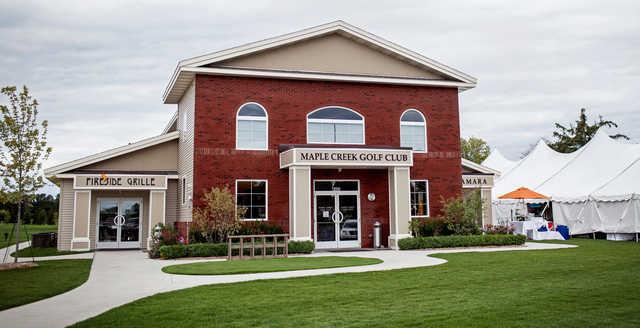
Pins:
x: 594, y: 235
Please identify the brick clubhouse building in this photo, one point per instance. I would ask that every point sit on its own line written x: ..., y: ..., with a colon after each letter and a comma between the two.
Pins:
x: 323, y: 131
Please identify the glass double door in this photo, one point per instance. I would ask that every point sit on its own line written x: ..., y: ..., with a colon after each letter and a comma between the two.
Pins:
x: 119, y: 222
x: 337, y: 219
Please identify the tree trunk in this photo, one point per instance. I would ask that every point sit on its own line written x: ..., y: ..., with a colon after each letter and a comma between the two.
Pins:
x: 18, y: 230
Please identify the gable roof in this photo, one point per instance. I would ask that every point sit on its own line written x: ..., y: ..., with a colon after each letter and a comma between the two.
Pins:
x: 111, y: 153
x: 478, y: 167
x: 188, y: 68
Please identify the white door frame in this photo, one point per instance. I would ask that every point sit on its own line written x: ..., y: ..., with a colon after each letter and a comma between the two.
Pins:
x: 118, y: 243
x: 336, y: 193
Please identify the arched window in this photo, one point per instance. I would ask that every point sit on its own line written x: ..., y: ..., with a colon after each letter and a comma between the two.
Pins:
x: 251, y: 127
x: 413, y: 130
x: 335, y: 125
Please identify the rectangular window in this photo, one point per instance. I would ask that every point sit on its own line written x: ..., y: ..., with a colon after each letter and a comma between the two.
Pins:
x: 252, y: 134
x: 183, y: 188
x: 251, y: 198
x: 335, y: 133
x: 419, y: 198
x: 412, y: 136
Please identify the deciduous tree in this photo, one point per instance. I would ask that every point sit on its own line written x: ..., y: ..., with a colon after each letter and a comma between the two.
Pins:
x: 474, y: 149
x: 24, y: 146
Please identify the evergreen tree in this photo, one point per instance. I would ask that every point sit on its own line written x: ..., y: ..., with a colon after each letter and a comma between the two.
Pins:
x: 569, y: 139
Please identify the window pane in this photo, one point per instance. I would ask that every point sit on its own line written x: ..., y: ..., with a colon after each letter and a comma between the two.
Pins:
x: 419, y: 198
x: 251, y: 110
x: 348, y: 133
x: 412, y: 136
x: 412, y: 116
x: 321, y: 132
x: 258, y: 212
x: 252, y: 134
x: 335, y: 114
x: 243, y: 200
x: 244, y: 187
x: 259, y: 187
x: 323, y: 186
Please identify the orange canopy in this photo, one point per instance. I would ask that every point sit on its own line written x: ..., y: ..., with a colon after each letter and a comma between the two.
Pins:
x: 523, y: 193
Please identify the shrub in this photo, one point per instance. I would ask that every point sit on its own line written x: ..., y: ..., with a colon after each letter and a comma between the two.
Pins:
x: 497, y: 229
x: 173, y: 251
x: 259, y: 228
x: 193, y: 250
x: 460, y: 241
x: 462, y: 214
x: 425, y: 227
x: 301, y: 247
x: 167, y: 235
x: 217, y: 217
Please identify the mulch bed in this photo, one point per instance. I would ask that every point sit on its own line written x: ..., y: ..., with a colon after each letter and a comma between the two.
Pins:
x: 19, y: 265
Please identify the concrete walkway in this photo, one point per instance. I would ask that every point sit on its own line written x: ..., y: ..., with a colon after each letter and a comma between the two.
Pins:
x: 25, y: 244
x: 119, y: 277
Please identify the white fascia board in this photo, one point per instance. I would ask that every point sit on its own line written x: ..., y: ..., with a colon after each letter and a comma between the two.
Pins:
x: 316, y: 31
x: 478, y: 167
x: 54, y: 170
x: 173, y: 119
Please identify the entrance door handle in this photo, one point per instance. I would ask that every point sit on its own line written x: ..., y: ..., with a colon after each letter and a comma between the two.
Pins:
x: 123, y: 220
x: 340, y: 217
x: 116, y: 220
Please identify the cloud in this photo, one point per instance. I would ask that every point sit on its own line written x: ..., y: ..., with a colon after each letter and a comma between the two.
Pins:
x: 99, y: 68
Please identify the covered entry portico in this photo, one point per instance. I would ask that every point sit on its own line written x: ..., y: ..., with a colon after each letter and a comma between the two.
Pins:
x: 326, y: 192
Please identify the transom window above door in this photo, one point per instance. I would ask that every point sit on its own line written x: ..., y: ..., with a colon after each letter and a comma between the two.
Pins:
x: 251, y: 127
x: 335, y: 125
x: 413, y: 130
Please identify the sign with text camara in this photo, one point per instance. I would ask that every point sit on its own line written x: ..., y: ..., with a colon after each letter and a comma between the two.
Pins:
x: 119, y: 181
x: 346, y: 157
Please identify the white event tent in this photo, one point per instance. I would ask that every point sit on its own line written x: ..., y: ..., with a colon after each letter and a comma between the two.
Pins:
x: 596, y: 188
x: 498, y: 162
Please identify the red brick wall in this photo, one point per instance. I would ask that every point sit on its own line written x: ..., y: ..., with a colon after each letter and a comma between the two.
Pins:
x: 287, y: 103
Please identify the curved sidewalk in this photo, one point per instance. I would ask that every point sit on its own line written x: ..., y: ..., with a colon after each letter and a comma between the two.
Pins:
x: 119, y: 277
x: 9, y: 259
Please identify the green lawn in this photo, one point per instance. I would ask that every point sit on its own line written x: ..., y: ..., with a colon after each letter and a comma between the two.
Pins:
x: 594, y: 285
x: 40, y: 252
x: 267, y: 265
x: 22, y: 286
x: 30, y: 228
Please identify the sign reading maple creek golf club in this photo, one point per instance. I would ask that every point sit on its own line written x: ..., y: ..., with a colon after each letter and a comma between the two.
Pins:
x: 108, y: 181
x: 346, y: 157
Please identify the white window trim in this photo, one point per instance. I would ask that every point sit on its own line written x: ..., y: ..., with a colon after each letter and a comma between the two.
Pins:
x: 183, y: 190
x: 253, y: 118
x: 184, y: 126
x: 354, y: 122
x: 423, y: 124
x: 266, y: 198
x: 428, y: 202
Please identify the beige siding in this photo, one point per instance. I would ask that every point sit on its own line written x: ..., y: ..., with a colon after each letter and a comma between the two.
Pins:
x: 162, y: 157
x: 65, y: 214
x: 186, y: 106
x: 172, y: 202
x: 333, y: 53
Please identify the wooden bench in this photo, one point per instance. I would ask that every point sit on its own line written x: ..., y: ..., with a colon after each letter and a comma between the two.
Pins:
x: 251, y: 243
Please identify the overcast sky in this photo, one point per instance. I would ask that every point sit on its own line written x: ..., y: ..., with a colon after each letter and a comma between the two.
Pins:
x: 98, y: 69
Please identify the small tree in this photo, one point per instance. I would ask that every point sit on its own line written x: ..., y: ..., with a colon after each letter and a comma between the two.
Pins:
x: 24, y: 139
x: 474, y: 149
x: 569, y: 139
x: 462, y: 214
x: 217, y: 217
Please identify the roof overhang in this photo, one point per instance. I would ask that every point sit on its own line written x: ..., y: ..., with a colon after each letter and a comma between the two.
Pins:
x: 53, y: 171
x: 188, y: 68
x: 478, y: 167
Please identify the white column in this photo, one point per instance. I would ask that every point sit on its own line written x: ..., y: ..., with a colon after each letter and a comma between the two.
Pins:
x: 399, y: 205
x: 300, y: 202
x: 81, y: 221
x: 157, y: 212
